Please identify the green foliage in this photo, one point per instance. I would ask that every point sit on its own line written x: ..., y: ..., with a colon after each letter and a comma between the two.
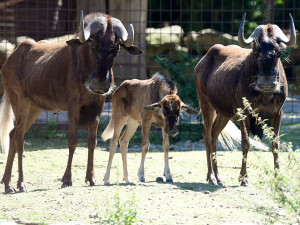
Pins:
x: 182, y: 72
x: 122, y: 213
x: 50, y: 130
x: 283, y: 185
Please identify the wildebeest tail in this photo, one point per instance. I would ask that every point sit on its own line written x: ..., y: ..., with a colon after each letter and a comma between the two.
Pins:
x: 109, y: 131
x: 230, y: 138
x: 6, y: 122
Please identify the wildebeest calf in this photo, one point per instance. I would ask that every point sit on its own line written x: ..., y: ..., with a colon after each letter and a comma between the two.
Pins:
x: 143, y: 102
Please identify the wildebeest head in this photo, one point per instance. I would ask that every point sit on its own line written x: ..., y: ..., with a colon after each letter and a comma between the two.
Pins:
x: 105, y: 34
x: 268, y: 42
x: 171, y: 106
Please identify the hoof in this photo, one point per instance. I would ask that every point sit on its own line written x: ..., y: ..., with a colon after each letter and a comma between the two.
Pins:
x: 92, y: 182
x: 244, y: 184
x: 10, y: 190
x: 106, y: 182
x: 220, y: 183
x: 66, y: 185
x: 170, y: 180
x: 213, y: 183
x: 159, y: 180
x: 142, y: 179
x: 23, y: 189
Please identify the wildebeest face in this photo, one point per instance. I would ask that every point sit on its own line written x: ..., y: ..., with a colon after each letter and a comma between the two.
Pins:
x: 171, y: 106
x: 268, y: 41
x: 268, y: 53
x: 105, y: 34
x: 104, y: 53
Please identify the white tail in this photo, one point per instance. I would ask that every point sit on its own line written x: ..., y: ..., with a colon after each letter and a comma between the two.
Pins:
x: 230, y: 138
x: 109, y: 131
x: 6, y: 123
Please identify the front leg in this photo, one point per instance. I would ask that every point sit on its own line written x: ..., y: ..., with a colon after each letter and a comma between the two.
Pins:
x: 166, y: 144
x: 243, y: 178
x: 73, y: 113
x: 276, y: 122
x: 92, y: 143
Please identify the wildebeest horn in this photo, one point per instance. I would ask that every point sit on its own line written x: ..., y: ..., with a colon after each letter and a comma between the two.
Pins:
x: 92, y: 28
x: 277, y: 33
x: 255, y: 34
x: 121, y: 32
x: 281, y: 36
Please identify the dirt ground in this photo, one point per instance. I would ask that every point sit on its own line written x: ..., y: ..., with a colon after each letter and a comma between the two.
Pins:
x: 189, y: 200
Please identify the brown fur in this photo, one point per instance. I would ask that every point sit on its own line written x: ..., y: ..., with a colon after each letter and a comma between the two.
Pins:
x: 54, y: 77
x: 143, y: 102
x: 222, y: 77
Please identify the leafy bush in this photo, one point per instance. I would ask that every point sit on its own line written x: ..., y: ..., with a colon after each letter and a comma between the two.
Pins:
x: 122, y: 213
x: 182, y: 72
x: 283, y: 185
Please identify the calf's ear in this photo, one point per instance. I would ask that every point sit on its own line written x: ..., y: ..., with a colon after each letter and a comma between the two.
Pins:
x: 188, y: 109
x: 152, y: 107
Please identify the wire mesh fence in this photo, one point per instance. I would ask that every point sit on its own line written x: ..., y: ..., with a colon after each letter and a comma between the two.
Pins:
x: 175, y: 30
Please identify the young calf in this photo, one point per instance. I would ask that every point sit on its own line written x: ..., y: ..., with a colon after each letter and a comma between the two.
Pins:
x: 153, y: 101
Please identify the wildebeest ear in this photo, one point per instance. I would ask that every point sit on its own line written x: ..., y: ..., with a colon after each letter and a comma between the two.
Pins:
x: 188, y: 109
x: 153, y: 106
x: 74, y: 42
x: 134, y: 50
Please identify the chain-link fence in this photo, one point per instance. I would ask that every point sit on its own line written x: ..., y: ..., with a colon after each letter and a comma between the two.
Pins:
x: 179, y: 31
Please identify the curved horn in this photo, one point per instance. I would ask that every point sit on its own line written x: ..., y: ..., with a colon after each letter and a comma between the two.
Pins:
x: 93, y: 27
x: 255, y: 34
x: 82, y: 38
x: 121, y: 32
x: 281, y: 36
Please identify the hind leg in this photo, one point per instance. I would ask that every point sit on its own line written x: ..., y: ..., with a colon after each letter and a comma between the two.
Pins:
x: 124, y: 141
x: 145, y: 147
x: 218, y: 125
x: 24, y: 116
x: 118, y: 126
x: 208, y: 114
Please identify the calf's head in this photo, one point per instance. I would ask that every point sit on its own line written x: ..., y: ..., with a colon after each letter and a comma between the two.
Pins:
x: 268, y: 42
x: 171, y: 105
x: 105, y: 35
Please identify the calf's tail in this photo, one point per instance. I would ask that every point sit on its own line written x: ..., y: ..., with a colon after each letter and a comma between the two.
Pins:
x: 6, y: 123
x: 109, y: 131
x: 230, y: 138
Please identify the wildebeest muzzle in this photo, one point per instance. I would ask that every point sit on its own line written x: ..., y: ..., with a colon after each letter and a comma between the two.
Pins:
x: 104, y: 87
x: 171, y: 125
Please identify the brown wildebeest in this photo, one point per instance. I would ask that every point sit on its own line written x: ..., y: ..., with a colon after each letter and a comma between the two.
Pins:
x: 228, y: 73
x: 75, y: 77
x: 143, y: 102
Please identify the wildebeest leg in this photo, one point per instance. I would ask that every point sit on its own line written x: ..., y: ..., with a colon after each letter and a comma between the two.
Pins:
x: 276, y: 122
x: 124, y: 141
x: 73, y: 113
x: 92, y: 142
x: 218, y: 125
x: 118, y: 126
x: 243, y: 178
x: 32, y: 115
x: 208, y: 114
x: 145, y: 147
x: 166, y: 144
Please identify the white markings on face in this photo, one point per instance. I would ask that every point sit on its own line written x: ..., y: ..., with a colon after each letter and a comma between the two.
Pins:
x: 107, y: 75
x: 171, y: 107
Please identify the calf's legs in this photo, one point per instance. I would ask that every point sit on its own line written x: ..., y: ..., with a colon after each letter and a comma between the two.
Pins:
x: 124, y: 141
x: 118, y: 126
x: 145, y: 147
x: 166, y: 144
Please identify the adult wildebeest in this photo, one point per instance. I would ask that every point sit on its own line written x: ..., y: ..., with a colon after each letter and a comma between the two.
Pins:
x: 228, y: 73
x: 75, y: 76
x: 153, y: 101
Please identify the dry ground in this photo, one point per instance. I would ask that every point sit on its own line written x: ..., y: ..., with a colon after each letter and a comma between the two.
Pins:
x: 189, y: 200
